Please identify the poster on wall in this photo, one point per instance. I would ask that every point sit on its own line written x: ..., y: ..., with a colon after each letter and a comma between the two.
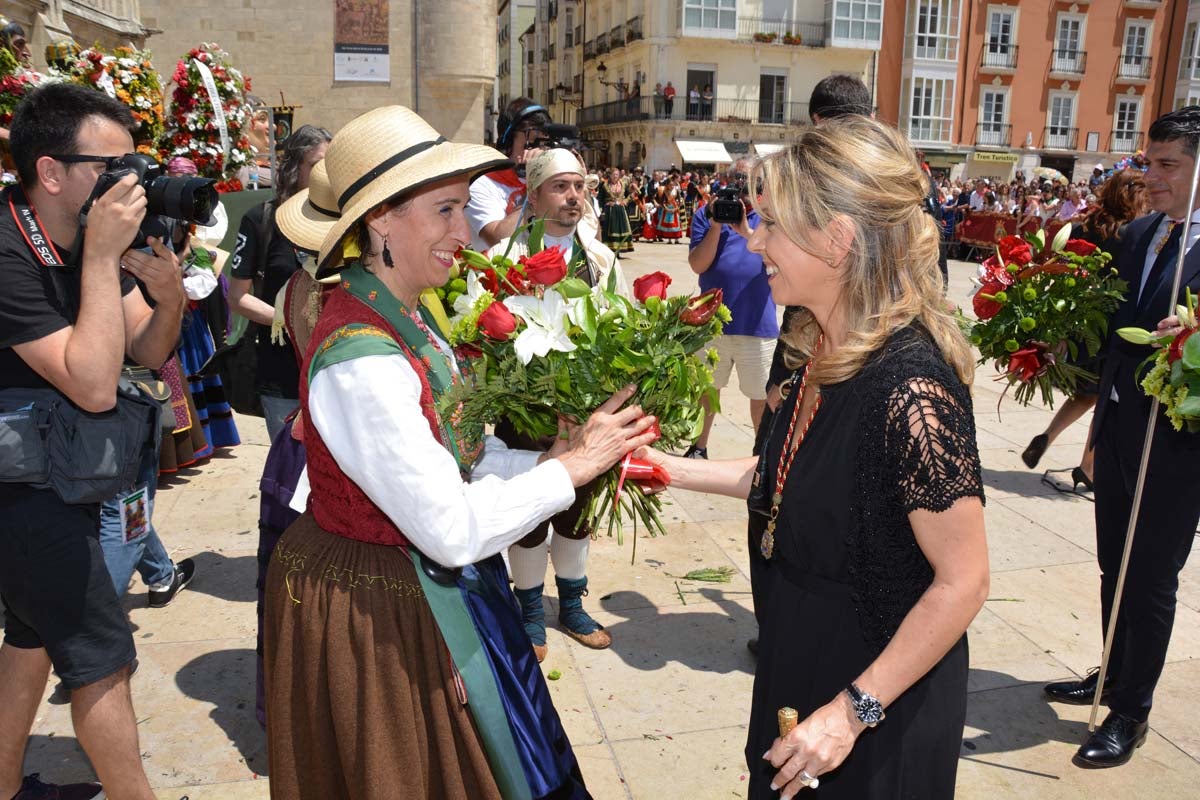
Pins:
x: 360, y: 43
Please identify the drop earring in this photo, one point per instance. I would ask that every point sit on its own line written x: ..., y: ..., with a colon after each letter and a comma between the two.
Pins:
x: 387, y: 255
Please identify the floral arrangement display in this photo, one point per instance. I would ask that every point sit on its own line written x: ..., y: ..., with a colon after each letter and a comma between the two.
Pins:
x: 192, y: 129
x: 1039, y: 307
x: 1174, y: 374
x: 542, y: 344
x: 128, y: 76
x: 15, y: 82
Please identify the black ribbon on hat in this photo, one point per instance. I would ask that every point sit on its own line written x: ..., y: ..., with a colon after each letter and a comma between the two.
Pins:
x: 387, y: 164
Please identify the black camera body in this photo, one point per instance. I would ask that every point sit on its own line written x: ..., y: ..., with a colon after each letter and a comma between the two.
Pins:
x: 561, y: 135
x: 727, y: 206
x: 190, y: 200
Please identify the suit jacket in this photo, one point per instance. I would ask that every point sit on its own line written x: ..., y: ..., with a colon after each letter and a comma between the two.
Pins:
x: 1121, y: 359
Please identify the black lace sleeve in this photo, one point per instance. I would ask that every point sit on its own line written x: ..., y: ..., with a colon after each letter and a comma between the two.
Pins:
x: 930, y: 445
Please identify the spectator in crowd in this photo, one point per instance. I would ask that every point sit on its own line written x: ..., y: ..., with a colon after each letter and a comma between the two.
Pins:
x: 694, y: 102
x: 658, y: 100
x: 706, y: 102
x: 669, y: 99
x: 262, y: 263
x: 1097, y: 178
x: 978, y: 198
x: 717, y: 252
x: 1072, y: 206
x: 257, y: 174
x: 12, y: 37
x: 65, y: 330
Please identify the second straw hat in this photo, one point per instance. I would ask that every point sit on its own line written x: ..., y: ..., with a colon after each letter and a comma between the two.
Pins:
x: 306, y: 217
x: 384, y: 153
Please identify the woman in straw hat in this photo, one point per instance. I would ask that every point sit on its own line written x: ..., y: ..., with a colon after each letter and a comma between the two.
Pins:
x: 870, y: 481
x: 395, y: 660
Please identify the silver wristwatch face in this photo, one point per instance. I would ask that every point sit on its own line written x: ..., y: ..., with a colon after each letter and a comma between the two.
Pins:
x: 867, y: 708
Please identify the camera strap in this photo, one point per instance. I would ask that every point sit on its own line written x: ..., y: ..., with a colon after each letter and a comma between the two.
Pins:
x: 31, y: 228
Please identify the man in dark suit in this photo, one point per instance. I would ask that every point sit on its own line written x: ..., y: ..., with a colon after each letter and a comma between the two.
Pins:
x: 1170, y: 506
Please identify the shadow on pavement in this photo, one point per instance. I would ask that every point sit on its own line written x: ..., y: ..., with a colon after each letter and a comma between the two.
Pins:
x: 59, y: 759
x: 225, y: 577
x: 225, y: 679
x: 1026, y: 483
x: 701, y: 640
x: 1015, y: 718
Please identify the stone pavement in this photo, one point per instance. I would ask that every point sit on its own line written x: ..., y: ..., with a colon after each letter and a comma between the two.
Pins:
x: 662, y: 713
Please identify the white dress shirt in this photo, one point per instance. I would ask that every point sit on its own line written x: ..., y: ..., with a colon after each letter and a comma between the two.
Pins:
x: 367, y: 411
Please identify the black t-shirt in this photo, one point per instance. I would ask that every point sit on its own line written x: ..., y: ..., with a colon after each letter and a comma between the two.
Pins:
x: 35, y: 300
x: 278, y: 372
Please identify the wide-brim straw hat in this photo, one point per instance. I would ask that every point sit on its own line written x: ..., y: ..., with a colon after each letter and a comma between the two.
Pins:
x: 306, y: 217
x: 386, y: 152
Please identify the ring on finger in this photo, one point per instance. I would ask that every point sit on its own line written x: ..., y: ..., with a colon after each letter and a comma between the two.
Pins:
x: 810, y: 781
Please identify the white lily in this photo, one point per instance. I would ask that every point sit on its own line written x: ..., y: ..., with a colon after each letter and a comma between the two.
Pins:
x: 545, y: 325
x: 1060, y: 238
x: 465, y: 302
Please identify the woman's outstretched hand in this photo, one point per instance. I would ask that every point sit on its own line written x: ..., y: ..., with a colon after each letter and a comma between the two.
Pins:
x: 609, y: 433
x: 817, y: 745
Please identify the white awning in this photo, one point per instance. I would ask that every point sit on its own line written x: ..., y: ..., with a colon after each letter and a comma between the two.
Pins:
x: 701, y: 151
x: 767, y: 148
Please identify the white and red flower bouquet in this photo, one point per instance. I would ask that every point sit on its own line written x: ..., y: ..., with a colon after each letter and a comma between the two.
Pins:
x: 542, y: 344
x: 1040, y: 309
x: 1174, y: 374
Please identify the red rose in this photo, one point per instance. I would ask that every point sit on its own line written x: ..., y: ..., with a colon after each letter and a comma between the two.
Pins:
x: 1015, y: 250
x: 546, y: 268
x: 1080, y: 247
x: 1175, y: 351
x: 653, y: 285
x: 700, y: 310
x: 1025, y: 363
x: 497, y: 322
x: 996, y: 272
x: 488, y: 280
x: 985, y: 307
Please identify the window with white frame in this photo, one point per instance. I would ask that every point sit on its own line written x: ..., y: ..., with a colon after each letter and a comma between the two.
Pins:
x: 993, y: 118
x: 1126, y: 121
x: 1060, y: 121
x: 710, y: 15
x: 1189, y: 62
x: 856, y: 22
x: 1068, y: 53
x: 929, y: 108
x: 772, y: 96
x: 933, y: 30
x: 1000, y: 49
x: 1135, y: 54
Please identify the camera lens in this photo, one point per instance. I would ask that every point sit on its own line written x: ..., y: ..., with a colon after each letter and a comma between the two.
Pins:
x: 189, y: 199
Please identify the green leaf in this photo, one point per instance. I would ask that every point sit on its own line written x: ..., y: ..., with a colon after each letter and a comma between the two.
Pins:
x: 1191, y: 352
x: 611, y: 288
x: 588, y: 323
x: 537, y: 230
x: 1177, y: 373
x: 1190, y: 407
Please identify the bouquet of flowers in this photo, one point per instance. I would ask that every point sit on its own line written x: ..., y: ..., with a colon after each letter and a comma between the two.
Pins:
x: 15, y: 81
x: 193, y: 128
x: 129, y: 76
x: 542, y: 345
x: 1174, y: 375
x: 1038, y: 307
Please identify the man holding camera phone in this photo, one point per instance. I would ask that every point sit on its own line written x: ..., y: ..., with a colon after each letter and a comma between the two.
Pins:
x: 68, y: 317
x: 717, y: 252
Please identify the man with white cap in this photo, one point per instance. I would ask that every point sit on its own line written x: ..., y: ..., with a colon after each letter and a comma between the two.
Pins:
x: 558, y: 196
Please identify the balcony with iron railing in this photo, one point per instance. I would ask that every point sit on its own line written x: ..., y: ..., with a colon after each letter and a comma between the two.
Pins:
x: 993, y: 134
x: 570, y: 39
x: 1143, y: 3
x: 1067, y: 63
x: 1057, y: 137
x: 998, y: 57
x: 1133, y: 68
x: 589, y: 50
x: 739, y: 111
x: 1125, y: 141
x: 780, y: 31
x: 550, y: 52
x: 616, y: 37
x: 633, y: 30
x: 552, y: 11
x: 602, y: 44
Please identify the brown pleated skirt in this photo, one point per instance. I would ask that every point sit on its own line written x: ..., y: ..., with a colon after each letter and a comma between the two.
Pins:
x: 360, y: 692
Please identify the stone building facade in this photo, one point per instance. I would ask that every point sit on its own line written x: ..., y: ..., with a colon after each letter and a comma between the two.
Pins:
x: 107, y: 22
x: 442, y: 61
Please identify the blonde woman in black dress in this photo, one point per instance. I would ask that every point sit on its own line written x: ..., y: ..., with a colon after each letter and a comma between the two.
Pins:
x: 870, y: 480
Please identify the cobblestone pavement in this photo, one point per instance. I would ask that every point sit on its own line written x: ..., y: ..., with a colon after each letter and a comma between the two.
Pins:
x: 662, y: 713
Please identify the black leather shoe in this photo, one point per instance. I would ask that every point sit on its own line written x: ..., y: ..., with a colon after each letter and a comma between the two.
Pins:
x: 1036, y: 449
x: 1113, y: 742
x: 1081, y: 692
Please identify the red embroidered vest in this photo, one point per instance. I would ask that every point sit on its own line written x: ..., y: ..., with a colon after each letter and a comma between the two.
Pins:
x: 337, y: 504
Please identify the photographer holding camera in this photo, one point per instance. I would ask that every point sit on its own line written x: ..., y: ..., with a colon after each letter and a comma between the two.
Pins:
x: 68, y: 316
x: 717, y: 252
x: 497, y: 206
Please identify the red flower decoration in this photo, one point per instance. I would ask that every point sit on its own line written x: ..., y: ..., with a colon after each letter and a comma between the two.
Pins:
x: 985, y: 307
x: 1080, y: 247
x: 1015, y: 250
x: 653, y: 285
x: 996, y: 272
x: 700, y: 310
x: 497, y: 322
x: 546, y: 268
x: 1175, y: 351
x: 488, y: 279
x: 1026, y: 363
